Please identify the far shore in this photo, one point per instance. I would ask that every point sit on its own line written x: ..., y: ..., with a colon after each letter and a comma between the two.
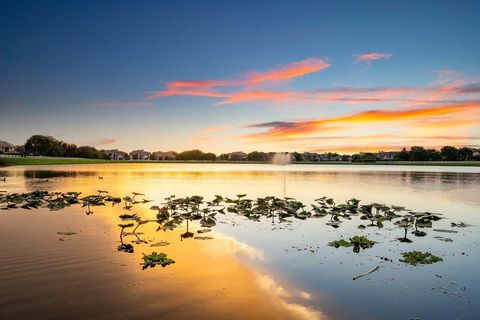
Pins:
x: 65, y: 161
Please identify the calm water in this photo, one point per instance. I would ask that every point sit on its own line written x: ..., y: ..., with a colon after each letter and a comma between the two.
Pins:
x: 250, y: 270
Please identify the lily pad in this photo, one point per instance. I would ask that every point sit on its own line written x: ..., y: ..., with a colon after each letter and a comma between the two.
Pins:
x: 418, y: 257
x: 156, y: 258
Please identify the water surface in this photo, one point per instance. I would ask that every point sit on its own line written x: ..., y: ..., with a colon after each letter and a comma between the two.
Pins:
x: 250, y: 270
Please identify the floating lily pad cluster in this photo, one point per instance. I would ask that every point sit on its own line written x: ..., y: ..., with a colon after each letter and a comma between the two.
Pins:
x: 418, y: 257
x: 53, y: 200
x: 173, y: 212
x: 156, y: 258
x: 357, y: 242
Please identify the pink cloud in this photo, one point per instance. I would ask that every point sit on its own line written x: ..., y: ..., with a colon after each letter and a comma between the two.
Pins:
x: 369, y: 57
x: 103, y: 141
x: 205, y: 88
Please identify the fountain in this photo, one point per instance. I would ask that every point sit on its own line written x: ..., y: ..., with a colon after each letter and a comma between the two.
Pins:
x: 283, y: 158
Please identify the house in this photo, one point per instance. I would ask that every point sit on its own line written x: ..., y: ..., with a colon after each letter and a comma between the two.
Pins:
x: 6, y: 147
x: 159, y: 155
x: 311, y: 157
x: 390, y: 155
x: 237, y: 156
x: 115, y: 154
x: 476, y: 154
x: 140, y: 155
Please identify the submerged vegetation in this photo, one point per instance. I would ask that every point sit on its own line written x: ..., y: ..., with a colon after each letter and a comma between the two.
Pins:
x: 175, y: 212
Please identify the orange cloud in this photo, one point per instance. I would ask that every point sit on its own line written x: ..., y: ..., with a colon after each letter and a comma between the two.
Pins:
x: 295, y: 128
x: 103, y: 141
x: 443, y: 94
x: 204, y: 87
x: 292, y: 70
x: 369, y: 57
x: 448, y: 86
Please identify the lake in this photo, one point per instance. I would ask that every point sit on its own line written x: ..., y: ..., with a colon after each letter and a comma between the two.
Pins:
x: 65, y: 264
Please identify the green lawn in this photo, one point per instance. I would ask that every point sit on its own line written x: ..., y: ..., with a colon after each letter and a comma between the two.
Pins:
x: 56, y: 161
x: 48, y: 161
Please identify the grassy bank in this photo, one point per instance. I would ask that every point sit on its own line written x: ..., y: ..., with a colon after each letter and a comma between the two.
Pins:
x: 60, y: 161
x: 48, y: 161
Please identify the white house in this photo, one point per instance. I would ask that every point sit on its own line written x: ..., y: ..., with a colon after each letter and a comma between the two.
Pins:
x: 6, y: 147
x: 140, y: 155
x: 115, y: 154
x: 390, y: 155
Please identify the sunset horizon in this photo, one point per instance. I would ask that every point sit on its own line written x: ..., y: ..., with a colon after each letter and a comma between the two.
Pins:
x: 165, y: 84
x: 239, y: 160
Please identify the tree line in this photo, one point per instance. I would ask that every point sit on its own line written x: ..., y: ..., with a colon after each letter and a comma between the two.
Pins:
x: 43, y: 145
x: 418, y: 153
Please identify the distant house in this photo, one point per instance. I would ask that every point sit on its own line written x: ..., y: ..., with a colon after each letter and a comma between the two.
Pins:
x: 237, y: 156
x: 390, y: 155
x: 140, y: 155
x: 6, y: 147
x: 476, y: 153
x: 116, y: 154
x: 159, y: 155
x: 311, y: 157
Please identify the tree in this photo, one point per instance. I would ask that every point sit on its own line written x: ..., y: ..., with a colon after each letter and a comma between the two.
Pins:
x: 449, y: 153
x: 297, y: 157
x: 364, y: 157
x: 69, y: 149
x: 418, y: 154
x: 256, y: 156
x: 42, y: 145
x: 465, y: 154
x: 403, y: 155
x: 433, y: 155
x: 196, y: 155
x: 209, y: 156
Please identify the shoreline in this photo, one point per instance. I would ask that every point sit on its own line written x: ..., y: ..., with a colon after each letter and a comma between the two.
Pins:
x: 66, y: 161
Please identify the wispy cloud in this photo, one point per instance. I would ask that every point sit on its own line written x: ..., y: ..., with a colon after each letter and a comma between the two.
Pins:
x: 372, y: 56
x: 206, y: 88
x: 280, y: 129
x: 102, y: 141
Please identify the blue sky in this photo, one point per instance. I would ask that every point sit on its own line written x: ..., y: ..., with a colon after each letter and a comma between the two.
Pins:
x: 82, y: 71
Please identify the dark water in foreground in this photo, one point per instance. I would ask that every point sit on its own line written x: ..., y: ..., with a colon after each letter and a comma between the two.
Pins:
x: 250, y: 270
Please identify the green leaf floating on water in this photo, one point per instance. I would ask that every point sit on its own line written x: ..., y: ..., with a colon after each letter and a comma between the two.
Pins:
x: 356, y: 242
x: 156, y: 258
x: 340, y: 243
x: 418, y: 257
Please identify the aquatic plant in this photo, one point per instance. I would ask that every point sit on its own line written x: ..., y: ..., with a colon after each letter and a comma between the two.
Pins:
x: 417, y: 257
x: 175, y: 212
x: 156, y: 258
x: 357, y: 242
x: 125, y: 247
x: 340, y: 243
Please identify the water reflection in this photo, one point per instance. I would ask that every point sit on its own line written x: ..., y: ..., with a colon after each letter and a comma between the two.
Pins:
x: 285, y: 272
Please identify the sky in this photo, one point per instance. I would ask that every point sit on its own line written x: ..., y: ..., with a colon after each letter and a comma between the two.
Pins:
x: 223, y: 76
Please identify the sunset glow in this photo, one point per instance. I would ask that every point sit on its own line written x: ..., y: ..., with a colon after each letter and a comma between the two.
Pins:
x: 220, y: 83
